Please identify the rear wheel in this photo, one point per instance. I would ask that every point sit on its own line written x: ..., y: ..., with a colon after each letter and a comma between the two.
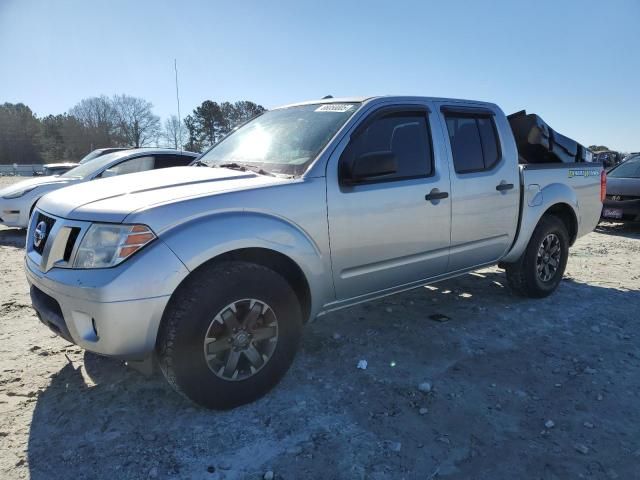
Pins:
x: 539, y: 270
x: 229, y: 334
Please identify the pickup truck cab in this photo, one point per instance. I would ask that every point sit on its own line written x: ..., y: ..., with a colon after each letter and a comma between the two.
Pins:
x: 306, y: 209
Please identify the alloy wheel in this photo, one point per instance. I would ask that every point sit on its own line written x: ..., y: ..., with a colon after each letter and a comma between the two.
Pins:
x: 548, y: 259
x: 241, y: 339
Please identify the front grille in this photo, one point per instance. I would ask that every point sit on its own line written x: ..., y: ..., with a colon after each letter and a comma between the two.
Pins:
x: 71, y: 241
x: 48, y: 223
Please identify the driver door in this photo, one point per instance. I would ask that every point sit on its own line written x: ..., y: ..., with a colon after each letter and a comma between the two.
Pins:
x: 384, y: 232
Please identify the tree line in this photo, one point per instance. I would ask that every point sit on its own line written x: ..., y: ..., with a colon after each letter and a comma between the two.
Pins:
x: 118, y: 121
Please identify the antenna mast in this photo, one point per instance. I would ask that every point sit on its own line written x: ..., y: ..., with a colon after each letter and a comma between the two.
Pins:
x: 175, y: 67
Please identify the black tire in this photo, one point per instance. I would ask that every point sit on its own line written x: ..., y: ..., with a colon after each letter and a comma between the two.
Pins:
x: 523, y: 276
x: 186, y: 323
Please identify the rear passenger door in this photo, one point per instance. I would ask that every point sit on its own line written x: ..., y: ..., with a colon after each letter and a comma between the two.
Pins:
x: 484, y: 184
x: 385, y: 233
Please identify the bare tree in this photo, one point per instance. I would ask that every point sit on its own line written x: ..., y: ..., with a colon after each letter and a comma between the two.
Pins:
x: 98, y: 117
x: 136, y: 123
x: 174, y: 133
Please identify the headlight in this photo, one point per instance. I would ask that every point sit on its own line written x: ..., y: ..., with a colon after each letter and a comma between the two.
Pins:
x: 19, y: 193
x: 105, y: 245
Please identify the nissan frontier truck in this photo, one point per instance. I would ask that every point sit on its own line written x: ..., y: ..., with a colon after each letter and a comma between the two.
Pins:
x: 212, y: 270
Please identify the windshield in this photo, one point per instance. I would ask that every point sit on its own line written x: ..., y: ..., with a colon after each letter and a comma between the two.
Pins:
x: 99, y: 152
x: 283, y: 141
x: 90, y: 156
x: 87, y: 169
x: 628, y: 169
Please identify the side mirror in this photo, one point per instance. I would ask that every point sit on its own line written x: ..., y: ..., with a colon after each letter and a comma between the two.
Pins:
x: 368, y: 166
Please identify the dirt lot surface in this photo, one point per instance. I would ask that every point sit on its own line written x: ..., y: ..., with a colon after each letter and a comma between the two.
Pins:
x: 500, y: 387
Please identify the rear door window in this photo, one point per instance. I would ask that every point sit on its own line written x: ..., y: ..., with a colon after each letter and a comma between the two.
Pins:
x: 474, y: 143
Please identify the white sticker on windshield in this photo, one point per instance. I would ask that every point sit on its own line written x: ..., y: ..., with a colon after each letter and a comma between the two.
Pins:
x: 334, y: 107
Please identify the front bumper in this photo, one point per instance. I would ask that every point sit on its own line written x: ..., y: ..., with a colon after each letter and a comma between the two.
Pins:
x: 112, y: 311
x: 630, y: 209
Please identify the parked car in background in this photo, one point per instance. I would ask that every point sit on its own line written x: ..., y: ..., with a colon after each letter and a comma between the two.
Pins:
x: 49, y: 169
x: 306, y: 209
x: 18, y: 200
x: 622, y: 202
x: 62, y: 167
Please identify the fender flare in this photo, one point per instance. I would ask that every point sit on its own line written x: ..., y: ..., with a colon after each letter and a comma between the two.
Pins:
x: 554, y: 195
x: 204, y: 238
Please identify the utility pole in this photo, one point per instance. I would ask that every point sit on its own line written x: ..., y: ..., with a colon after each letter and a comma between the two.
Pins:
x: 175, y: 67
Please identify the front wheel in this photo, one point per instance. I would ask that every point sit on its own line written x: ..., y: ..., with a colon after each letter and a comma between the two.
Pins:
x: 539, y: 270
x: 229, y: 334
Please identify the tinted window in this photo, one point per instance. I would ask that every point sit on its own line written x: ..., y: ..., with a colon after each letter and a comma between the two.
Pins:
x: 406, y: 135
x: 465, y: 144
x: 473, y: 142
x: 489, y: 142
x: 164, y: 161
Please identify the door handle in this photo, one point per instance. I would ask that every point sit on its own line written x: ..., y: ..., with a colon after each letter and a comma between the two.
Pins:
x: 504, y: 186
x: 436, y: 194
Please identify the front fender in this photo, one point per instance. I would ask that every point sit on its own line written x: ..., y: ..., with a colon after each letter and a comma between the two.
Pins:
x: 205, y: 238
x: 535, y: 205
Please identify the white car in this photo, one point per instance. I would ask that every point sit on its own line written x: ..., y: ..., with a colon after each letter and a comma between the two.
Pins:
x: 18, y: 200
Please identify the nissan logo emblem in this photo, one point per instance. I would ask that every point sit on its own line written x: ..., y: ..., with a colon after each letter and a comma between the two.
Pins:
x: 39, y: 234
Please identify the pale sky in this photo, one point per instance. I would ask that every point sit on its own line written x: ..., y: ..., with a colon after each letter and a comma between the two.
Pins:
x: 575, y: 63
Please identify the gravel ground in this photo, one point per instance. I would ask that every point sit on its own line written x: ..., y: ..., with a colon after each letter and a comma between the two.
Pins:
x: 463, y: 380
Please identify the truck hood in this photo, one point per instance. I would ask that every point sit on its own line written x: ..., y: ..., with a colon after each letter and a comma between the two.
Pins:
x: 113, y: 199
x: 34, y: 182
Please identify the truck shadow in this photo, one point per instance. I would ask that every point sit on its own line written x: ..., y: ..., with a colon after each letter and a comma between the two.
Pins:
x: 628, y: 230
x: 12, y: 237
x: 99, y: 419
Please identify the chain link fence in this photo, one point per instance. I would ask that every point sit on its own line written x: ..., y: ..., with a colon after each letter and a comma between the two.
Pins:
x: 21, y: 170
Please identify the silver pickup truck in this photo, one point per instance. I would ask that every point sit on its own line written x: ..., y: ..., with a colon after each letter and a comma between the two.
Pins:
x: 212, y: 270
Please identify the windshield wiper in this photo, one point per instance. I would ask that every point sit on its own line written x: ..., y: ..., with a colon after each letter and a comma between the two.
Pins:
x: 198, y: 163
x: 244, y: 168
x: 232, y: 166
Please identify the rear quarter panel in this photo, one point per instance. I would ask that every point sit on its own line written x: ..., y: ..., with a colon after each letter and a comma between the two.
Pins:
x: 574, y: 184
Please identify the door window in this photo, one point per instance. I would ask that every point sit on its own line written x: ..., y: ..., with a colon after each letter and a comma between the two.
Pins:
x: 406, y: 135
x: 474, y: 143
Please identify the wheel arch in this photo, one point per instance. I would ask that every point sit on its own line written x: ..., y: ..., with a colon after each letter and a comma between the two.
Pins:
x: 555, y: 199
x: 276, y: 261
x: 267, y: 240
x: 568, y: 216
